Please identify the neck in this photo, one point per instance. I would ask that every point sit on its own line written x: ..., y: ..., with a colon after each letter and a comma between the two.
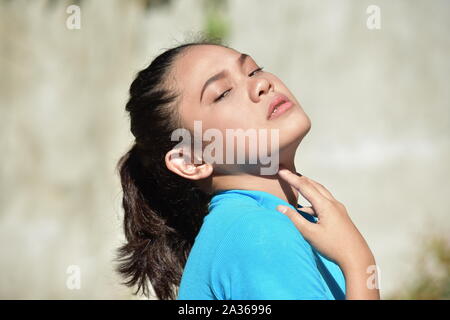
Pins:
x: 272, y: 184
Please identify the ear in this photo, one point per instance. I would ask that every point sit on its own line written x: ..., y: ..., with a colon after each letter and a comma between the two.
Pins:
x: 179, y: 161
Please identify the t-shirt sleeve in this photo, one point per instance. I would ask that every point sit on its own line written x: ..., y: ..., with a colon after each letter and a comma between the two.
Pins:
x: 263, y: 256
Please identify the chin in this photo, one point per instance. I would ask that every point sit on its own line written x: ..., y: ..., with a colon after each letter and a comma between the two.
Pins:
x: 295, y: 130
x: 296, y: 125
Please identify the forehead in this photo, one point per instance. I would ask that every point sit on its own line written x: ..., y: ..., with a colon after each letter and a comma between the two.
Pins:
x: 201, y: 61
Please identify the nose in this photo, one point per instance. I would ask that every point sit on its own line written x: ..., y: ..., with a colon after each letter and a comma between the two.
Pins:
x: 260, y: 87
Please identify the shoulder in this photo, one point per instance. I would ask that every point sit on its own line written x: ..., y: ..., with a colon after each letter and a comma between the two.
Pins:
x: 258, y: 230
x: 263, y: 255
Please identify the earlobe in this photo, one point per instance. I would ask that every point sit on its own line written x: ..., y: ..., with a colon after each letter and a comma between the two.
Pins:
x: 204, y: 170
x: 179, y: 162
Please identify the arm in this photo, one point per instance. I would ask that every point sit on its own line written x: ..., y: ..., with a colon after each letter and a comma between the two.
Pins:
x: 356, y: 279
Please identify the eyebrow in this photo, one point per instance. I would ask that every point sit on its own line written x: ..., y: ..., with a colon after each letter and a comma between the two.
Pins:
x: 240, y: 61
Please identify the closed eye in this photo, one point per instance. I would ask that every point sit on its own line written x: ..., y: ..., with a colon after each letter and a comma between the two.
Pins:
x: 257, y: 70
x: 223, y: 94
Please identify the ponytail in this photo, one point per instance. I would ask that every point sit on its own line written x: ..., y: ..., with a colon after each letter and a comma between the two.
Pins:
x: 163, y: 212
x: 159, y: 232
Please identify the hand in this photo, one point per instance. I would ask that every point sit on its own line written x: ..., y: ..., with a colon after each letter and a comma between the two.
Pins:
x: 334, y: 234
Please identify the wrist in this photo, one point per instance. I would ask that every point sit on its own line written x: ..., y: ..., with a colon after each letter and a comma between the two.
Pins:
x: 358, y: 264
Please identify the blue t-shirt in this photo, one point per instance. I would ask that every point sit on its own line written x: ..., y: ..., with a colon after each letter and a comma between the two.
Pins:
x: 247, y: 250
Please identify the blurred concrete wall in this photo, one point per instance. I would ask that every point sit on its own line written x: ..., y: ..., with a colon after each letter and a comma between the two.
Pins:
x: 378, y: 101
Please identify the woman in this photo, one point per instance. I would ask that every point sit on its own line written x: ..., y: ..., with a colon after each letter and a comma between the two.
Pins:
x: 202, y: 230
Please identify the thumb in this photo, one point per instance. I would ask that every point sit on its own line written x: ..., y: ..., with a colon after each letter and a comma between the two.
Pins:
x: 299, y: 221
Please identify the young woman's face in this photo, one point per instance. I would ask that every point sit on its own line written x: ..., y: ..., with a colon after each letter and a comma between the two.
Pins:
x: 238, y: 98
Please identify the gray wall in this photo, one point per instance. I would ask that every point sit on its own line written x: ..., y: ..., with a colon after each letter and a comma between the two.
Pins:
x: 378, y: 101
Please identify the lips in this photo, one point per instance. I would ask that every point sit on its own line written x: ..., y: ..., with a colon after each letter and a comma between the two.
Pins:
x: 276, y: 102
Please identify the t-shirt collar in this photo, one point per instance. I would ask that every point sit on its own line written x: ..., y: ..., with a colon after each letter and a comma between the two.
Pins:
x: 265, y: 199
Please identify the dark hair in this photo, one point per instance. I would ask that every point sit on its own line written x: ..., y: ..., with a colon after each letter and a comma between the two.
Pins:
x: 163, y: 211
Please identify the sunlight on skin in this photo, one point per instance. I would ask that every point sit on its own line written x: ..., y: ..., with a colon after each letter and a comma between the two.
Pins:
x: 244, y: 93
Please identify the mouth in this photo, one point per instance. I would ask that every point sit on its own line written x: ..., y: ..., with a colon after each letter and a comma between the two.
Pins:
x: 279, y: 105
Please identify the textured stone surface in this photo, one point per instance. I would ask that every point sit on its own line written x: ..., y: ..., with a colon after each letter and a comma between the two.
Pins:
x: 378, y: 101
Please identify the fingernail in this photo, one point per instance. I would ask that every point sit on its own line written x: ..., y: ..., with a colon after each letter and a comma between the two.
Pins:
x: 282, y: 209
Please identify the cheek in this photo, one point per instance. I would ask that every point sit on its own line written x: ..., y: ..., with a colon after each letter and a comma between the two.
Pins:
x: 224, y: 117
x: 189, y: 113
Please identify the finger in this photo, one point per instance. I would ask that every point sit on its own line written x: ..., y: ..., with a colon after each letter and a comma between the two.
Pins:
x: 322, y: 189
x: 303, y: 225
x: 326, y: 193
x: 306, y: 188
